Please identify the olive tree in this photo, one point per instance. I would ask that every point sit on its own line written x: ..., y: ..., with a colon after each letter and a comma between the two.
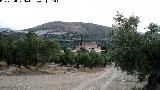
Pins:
x: 134, y: 52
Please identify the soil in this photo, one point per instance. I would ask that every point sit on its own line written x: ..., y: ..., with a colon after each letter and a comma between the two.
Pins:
x: 54, y: 77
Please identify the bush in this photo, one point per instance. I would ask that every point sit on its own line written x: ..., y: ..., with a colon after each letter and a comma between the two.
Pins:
x: 91, y: 59
x: 29, y: 50
x: 83, y: 58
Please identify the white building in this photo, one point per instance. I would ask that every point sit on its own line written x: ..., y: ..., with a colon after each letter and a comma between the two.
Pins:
x: 89, y: 47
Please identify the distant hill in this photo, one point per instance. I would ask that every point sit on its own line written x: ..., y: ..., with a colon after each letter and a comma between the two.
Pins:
x: 5, y: 30
x: 69, y: 34
x: 71, y: 27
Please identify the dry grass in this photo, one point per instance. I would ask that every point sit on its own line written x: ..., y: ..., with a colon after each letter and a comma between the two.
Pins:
x: 53, y: 77
x: 3, y: 64
x: 44, y: 70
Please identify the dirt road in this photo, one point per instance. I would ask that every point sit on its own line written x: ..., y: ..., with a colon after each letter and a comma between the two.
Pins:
x: 110, y: 79
x: 107, y: 79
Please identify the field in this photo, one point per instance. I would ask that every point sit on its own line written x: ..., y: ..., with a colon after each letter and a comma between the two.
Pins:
x: 53, y: 77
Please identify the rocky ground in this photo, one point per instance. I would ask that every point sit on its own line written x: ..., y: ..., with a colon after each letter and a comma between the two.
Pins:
x: 53, y: 77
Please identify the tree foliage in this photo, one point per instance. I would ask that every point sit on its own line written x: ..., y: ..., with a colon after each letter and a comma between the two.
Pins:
x: 30, y: 50
x: 134, y: 52
x: 83, y: 58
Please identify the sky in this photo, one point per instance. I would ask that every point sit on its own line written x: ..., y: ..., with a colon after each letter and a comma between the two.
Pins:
x: 23, y: 15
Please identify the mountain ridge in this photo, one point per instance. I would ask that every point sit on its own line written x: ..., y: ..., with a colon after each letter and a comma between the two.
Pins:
x: 73, y: 27
x: 5, y: 29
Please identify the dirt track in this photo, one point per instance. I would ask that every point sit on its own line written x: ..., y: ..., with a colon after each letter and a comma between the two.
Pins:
x: 108, y: 79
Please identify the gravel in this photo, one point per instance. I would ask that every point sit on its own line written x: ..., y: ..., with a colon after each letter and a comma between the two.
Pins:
x: 107, y: 79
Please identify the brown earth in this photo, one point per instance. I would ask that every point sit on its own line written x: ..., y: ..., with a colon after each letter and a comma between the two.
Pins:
x: 53, y: 77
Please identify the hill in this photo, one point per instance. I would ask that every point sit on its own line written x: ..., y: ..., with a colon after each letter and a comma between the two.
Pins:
x: 71, y: 27
x: 5, y: 30
x: 69, y: 33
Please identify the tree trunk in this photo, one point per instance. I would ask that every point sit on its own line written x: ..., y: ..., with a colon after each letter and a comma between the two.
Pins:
x: 153, y: 81
x: 154, y: 78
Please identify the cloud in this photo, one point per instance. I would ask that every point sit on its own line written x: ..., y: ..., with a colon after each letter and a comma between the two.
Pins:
x: 26, y: 15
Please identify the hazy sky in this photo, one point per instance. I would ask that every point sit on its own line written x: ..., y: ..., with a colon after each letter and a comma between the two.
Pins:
x: 25, y: 15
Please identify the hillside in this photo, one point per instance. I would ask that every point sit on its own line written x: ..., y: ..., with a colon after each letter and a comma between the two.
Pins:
x: 72, y: 27
x: 5, y: 30
x: 68, y: 34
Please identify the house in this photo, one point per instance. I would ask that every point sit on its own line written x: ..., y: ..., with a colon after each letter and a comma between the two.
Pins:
x: 89, y: 46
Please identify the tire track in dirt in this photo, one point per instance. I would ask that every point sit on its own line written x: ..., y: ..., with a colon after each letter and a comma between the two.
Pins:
x: 100, y: 82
